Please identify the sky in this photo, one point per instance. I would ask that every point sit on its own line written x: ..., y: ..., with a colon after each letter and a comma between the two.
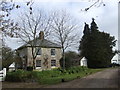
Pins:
x: 106, y: 16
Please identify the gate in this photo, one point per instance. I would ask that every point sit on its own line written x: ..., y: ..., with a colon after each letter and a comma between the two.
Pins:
x: 2, y: 74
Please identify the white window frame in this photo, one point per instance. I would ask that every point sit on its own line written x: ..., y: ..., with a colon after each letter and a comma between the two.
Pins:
x: 53, y: 52
x: 39, y: 49
x: 37, y: 67
x: 52, y: 63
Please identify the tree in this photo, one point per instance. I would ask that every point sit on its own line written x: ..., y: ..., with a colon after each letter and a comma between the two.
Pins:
x: 97, y: 46
x: 64, y: 27
x: 71, y: 59
x: 8, y: 57
x: 96, y: 3
x: 8, y: 25
x: 30, y: 27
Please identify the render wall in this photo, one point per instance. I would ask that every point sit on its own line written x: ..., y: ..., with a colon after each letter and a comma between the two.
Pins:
x: 46, y: 53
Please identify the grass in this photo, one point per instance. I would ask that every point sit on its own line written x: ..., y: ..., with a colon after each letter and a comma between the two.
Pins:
x: 67, y: 77
x: 51, y: 76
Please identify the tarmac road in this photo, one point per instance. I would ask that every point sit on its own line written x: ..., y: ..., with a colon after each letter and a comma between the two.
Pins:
x: 109, y: 78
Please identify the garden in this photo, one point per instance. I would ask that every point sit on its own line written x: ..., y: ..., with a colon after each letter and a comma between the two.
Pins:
x: 53, y: 76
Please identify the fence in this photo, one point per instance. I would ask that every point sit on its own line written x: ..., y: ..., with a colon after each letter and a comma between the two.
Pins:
x: 2, y: 74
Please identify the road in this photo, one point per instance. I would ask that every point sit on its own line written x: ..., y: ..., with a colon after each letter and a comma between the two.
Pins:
x: 109, y: 78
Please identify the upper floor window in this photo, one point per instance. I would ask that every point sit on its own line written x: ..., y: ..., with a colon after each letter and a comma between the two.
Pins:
x: 38, y: 63
x: 52, y: 51
x: 39, y: 51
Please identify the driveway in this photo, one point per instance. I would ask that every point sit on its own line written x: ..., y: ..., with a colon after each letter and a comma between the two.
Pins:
x: 103, y: 79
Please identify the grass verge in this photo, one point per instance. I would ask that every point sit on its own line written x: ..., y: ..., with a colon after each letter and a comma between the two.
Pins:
x: 50, y: 76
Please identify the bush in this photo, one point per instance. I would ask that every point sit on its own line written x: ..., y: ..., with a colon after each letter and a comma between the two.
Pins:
x: 48, y: 76
x: 18, y: 76
x: 29, y: 68
x: 114, y: 65
x: 76, y: 69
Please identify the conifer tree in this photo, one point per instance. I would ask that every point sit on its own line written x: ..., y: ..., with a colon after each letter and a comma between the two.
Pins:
x: 84, y: 41
x: 97, y: 46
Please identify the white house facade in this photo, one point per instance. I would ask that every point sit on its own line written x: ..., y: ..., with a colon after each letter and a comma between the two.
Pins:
x: 116, y: 59
x: 83, y: 62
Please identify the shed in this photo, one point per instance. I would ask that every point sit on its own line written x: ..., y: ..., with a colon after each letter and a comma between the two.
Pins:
x: 83, y: 62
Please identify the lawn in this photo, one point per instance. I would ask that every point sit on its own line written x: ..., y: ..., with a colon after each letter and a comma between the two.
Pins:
x: 67, y: 77
x: 50, y: 76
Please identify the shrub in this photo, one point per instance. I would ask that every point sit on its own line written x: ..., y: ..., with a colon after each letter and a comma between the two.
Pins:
x: 48, y: 76
x: 17, y: 76
x: 76, y: 69
x: 30, y: 68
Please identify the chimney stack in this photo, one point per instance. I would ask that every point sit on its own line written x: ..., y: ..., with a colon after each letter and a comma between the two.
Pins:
x: 41, y: 35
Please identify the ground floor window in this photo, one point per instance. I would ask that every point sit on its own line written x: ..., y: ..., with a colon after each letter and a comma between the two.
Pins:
x: 38, y: 63
x: 53, y: 62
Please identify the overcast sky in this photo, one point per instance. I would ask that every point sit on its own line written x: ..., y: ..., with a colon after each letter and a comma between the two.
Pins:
x: 106, y: 16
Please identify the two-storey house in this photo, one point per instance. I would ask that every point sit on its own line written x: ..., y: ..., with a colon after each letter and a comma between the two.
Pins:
x: 48, y: 54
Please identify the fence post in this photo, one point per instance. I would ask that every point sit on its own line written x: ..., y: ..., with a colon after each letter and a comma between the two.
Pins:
x: 4, y: 73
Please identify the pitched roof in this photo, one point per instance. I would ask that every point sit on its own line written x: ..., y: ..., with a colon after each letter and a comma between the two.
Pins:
x: 41, y: 43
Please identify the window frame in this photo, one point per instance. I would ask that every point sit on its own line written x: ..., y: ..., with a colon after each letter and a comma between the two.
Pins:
x: 37, y: 64
x: 53, y: 53
x: 39, y: 51
x: 53, y: 64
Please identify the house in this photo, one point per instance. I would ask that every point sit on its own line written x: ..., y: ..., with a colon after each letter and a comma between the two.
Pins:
x: 115, y: 59
x: 48, y: 54
x: 12, y: 67
x: 83, y: 61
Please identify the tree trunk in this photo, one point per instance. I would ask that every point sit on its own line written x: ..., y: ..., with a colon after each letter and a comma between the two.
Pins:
x: 33, y: 58
x: 33, y: 63
x: 63, y: 55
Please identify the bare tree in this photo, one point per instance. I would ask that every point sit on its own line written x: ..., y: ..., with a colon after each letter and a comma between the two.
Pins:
x: 30, y: 27
x: 64, y: 28
x: 96, y: 3
x: 8, y: 25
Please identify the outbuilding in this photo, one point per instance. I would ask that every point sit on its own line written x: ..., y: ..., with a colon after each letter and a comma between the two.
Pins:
x: 83, y: 62
x: 12, y: 67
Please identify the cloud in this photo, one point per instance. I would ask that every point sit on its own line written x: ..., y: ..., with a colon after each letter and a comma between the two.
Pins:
x: 106, y: 17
